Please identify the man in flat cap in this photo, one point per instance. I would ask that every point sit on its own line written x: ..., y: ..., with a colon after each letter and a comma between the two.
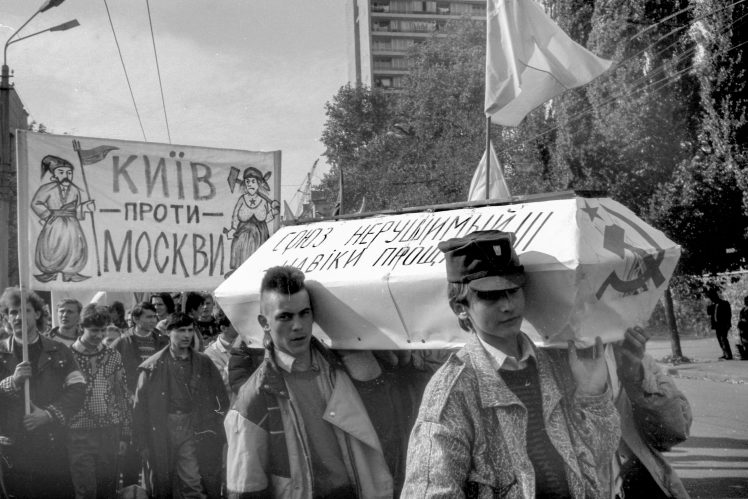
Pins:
x: 61, y: 247
x: 503, y: 418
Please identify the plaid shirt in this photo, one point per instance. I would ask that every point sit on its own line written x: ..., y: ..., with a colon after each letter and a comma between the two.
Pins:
x: 106, y: 395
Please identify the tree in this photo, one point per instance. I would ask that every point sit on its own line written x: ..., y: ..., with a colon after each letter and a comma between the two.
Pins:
x: 661, y: 137
x: 705, y: 204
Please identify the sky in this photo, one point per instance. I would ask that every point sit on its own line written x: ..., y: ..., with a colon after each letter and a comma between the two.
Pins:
x: 252, y: 74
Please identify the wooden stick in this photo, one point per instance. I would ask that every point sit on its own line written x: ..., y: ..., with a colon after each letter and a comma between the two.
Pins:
x: 25, y: 350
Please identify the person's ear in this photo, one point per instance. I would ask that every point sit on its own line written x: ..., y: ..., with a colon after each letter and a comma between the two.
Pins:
x: 263, y: 322
x: 460, y: 310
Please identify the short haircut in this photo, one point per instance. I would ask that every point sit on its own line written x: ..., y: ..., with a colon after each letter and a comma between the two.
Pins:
x: 194, y: 301
x: 286, y: 280
x: 167, y: 299
x: 141, y: 307
x: 12, y: 298
x: 117, y: 307
x: 95, y: 316
x: 177, y: 320
x: 459, y: 293
x: 70, y: 301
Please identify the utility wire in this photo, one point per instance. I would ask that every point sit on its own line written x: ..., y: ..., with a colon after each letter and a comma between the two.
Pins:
x: 661, y: 82
x: 671, y: 32
x: 158, y: 70
x: 125, y: 70
x: 632, y: 89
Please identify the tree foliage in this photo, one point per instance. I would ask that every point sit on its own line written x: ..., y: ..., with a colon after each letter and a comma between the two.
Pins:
x: 661, y: 132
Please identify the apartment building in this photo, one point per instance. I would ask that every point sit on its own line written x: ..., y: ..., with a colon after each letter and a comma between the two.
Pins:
x: 380, y: 32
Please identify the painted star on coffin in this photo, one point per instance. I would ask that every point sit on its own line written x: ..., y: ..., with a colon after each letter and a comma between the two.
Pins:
x: 591, y: 212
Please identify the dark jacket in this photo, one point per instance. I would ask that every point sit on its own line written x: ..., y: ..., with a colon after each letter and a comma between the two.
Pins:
x: 268, y: 453
x: 243, y: 362
x: 720, y: 315
x: 128, y: 349
x: 58, y: 387
x: 209, y: 402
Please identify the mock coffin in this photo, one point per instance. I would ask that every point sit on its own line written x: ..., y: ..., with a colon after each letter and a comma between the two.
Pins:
x: 379, y: 282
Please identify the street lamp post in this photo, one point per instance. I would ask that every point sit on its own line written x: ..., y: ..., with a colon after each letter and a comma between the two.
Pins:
x: 5, y: 167
x: 5, y: 134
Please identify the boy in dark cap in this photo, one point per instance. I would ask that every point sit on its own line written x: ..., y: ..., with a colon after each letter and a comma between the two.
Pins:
x: 502, y: 417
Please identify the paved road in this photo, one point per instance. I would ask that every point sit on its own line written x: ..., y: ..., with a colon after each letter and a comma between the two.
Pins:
x: 713, y: 463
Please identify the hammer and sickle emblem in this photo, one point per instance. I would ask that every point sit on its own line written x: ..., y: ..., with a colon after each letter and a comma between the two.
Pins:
x: 613, y: 241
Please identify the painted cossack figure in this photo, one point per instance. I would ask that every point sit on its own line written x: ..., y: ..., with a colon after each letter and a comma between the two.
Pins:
x: 253, y: 211
x: 61, y: 247
x: 503, y: 418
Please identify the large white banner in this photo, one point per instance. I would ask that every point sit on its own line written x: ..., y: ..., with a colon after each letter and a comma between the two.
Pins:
x: 113, y: 215
x: 593, y: 268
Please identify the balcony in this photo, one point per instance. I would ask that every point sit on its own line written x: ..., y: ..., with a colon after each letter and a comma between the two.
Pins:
x: 393, y: 66
x: 430, y: 8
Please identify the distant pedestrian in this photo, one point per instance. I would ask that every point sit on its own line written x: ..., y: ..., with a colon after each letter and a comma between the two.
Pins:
x: 204, y: 321
x: 194, y: 304
x: 164, y: 305
x: 99, y: 433
x: 743, y: 331
x: 113, y: 333
x: 720, y: 316
x: 117, y: 313
x: 68, y: 315
x: 135, y: 347
x: 220, y: 350
x: 178, y: 416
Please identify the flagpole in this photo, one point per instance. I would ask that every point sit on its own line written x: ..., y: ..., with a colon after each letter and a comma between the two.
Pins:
x: 488, y: 157
x: 77, y: 147
x: 340, y: 193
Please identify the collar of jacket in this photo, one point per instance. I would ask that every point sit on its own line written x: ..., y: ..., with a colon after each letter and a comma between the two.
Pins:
x: 492, y: 388
x: 158, y: 359
x: 271, y: 378
x: 49, y: 347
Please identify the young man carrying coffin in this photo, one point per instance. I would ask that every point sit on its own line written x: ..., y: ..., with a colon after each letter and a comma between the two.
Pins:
x: 310, y: 423
x: 503, y: 418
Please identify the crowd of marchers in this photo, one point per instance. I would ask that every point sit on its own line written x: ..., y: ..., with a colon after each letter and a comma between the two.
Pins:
x: 166, y: 400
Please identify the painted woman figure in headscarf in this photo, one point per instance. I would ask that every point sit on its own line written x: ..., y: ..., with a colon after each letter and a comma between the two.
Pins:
x: 249, y: 223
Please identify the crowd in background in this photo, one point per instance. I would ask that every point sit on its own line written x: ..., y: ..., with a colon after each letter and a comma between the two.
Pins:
x: 90, y: 431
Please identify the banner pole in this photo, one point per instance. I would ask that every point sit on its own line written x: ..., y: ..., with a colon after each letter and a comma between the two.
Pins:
x: 77, y: 147
x: 488, y: 157
x: 25, y: 350
x: 22, y: 199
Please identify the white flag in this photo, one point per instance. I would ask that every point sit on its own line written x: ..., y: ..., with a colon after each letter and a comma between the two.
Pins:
x: 497, y: 188
x: 530, y: 60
